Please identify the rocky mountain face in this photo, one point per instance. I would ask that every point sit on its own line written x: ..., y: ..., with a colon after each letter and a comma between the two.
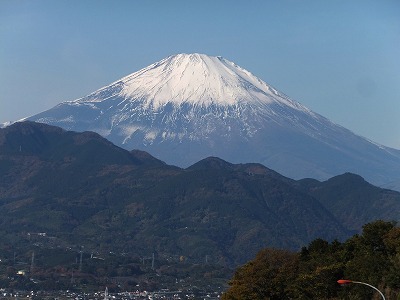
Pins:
x: 82, y: 190
x: 187, y: 107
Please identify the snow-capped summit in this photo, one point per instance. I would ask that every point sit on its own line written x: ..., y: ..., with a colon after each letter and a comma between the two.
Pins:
x: 197, y: 79
x: 190, y: 106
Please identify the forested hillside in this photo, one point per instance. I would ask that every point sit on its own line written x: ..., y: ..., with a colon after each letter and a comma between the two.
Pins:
x: 80, y: 194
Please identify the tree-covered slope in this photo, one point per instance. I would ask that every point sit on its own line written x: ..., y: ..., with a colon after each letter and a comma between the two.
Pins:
x: 83, y: 190
x: 354, y: 201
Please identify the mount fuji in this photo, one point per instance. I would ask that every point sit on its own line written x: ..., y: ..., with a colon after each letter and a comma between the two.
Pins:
x: 190, y: 106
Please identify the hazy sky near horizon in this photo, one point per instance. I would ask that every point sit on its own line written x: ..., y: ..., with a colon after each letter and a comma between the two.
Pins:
x: 340, y: 58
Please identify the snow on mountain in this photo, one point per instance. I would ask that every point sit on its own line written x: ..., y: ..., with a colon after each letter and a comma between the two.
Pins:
x: 195, y: 78
x: 190, y: 106
x: 189, y: 85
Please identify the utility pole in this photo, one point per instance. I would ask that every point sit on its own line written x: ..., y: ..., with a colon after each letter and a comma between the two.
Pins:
x: 80, y: 259
x: 32, y: 261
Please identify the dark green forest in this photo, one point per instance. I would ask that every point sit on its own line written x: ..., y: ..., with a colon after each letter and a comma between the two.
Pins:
x: 79, y: 213
x: 372, y: 257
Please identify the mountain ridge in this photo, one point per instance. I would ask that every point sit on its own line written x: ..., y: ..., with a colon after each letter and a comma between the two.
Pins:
x: 84, y: 193
x: 190, y: 106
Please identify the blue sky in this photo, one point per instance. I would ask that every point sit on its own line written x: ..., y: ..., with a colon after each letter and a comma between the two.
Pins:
x: 340, y: 58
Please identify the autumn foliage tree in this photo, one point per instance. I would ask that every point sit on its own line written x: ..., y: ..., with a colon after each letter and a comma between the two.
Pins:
x: 266, y: 277
x: 312, y: 273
